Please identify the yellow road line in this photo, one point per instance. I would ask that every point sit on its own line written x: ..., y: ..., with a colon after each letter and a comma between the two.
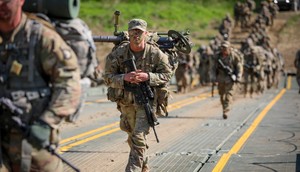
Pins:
x: 96, y: 101
x: 69, y: 146
x: 188, y: 101
x: 224, y: 159
x: 289, y: 83
x: 88, y: 133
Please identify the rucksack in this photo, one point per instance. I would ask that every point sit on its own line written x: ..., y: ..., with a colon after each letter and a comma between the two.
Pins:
x: 79, y: 37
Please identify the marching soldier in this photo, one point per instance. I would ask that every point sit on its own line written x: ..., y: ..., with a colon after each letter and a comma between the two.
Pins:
x: 251, y: 71
x: 237, y: 12
x: 153, y: 69
x: 226, y: 71
x: 261, y: 69
x: 40, y: 75
x: 182, y: 73
x: 273, y: 8
x: 265, y: 12
x: 226, y: 27
x: 205, y: 61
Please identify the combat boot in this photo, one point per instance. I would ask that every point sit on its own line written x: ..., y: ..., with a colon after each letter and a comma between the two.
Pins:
x: 146, y: 168
x: 225, y: 111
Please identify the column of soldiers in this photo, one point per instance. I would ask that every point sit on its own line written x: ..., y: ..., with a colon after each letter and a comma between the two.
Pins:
x: 243, y: 12
x: 261, y: 62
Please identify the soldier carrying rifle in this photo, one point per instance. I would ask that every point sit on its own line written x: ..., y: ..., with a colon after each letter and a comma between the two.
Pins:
x: 154, y: 70
x: 227, y: 70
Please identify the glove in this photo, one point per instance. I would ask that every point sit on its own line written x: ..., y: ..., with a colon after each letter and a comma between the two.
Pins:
x: 39, y: 134
x: 233, y: 77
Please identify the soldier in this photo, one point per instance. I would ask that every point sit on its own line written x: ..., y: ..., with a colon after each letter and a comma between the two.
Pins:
x: 251, y: 4
x: 245, y: 16
x: 273, y: 10
x: 204, y: 66
x: 40, y: 75
x: 251, y: 71
x: 226, y: 71
x: 237, y: 12
x: 261, y: 69
x: 154, y: 69
x: 297, y: 65
x: 265, y: 12
x: 225, y: 27
x: 182, y: 73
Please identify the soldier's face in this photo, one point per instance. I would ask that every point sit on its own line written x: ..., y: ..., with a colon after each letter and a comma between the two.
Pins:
x: 10, y: 9
x: 136, y: 36
x: 225, y: 51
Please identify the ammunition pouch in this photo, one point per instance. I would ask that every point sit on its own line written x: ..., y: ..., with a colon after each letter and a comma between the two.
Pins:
x: 30, y: 95
x: 33, y: 103
x: 115, y: 94
x: 162, y: 95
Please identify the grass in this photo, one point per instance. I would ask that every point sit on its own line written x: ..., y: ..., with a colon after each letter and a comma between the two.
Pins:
x: 198, y: 16
x: 293, y: 20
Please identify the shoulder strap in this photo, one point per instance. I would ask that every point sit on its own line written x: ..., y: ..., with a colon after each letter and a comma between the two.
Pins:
x: 34, y: 33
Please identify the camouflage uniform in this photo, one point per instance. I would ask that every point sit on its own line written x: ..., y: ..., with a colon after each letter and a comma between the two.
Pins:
x: 265, y: 12
x: 182, y: 73
x: 261, y: 69
x: 48, y: 69
x: 251, y: 4
x: 297, y: 66
x: 221, y: 76
x: 273, y: 10
x: 276, y: 67
x: 226, y: 27
x: 245, y: 16
x: 133, y: 117
x: 237, y: 12
x: 205, y: 65
x: 251, y: 73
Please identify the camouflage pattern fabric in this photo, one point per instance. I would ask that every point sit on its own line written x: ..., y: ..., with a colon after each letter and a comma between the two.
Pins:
x: 225, y: 83
x: 182, y: 73
x: 56, y: 68
x: 133, y: 117
x: 251, y: 73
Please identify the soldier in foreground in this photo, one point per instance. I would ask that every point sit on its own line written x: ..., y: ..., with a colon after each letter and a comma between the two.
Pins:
x: 152, y: 69
x: 297, y: 65
x: 40, y: 75
x: 227, y: 70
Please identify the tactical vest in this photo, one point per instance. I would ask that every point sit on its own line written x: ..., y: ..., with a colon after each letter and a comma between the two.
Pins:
x: 123, y: 53
x: 21, y: 73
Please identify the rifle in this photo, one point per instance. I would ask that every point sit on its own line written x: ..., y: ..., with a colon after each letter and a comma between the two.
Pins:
x: 6, y: 103
x: 143, y: 94
x: 173, y: 39
x: 251, y: 68
x: 228, y: 70
x: 247, y: 66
